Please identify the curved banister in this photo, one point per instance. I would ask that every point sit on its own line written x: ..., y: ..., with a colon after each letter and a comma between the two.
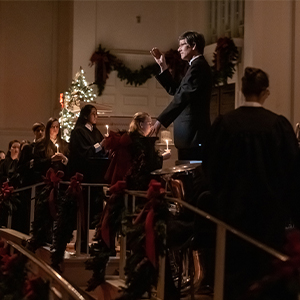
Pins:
x: 49, y: 271
x: 215, y: 220
x: 222, y: 227
x: 245, y: 237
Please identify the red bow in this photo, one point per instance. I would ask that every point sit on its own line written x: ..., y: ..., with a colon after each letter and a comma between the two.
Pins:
x: 154, y: 192
x: 105, y: 232
x: 75, y: 189
x: 3, y: 248
x: 118, y: 187
x: 52, y: 179
x: 32, y: 287
x: 290, y: 267
x: 6, y: 191
x: 7, y: 262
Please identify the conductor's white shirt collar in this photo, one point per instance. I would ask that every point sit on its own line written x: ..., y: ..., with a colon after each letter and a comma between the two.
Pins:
x: 190, y: 62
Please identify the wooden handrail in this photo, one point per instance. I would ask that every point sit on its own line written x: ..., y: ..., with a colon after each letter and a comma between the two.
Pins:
x: 245, y: 237
x: 49, y: 271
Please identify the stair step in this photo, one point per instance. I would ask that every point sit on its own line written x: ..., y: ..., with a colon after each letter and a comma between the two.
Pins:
x: 109, y: 290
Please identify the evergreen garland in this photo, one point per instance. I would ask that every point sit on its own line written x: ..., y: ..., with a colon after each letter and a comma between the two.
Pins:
x: 43, y: 221
x: 100, y: 252
x: 8, y: 202
x: 142, y: 276
x: 63, y: 232
x: 12, y: 276
x: 97, y: 263
x: 15, y: 282
x: 107, y: 62
x: 45, y: 212
x: 225, y: 59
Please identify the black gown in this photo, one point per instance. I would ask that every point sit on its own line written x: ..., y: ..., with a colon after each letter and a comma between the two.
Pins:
x: 252, y: 163
x: 42, y: 161
x: 83, y: 157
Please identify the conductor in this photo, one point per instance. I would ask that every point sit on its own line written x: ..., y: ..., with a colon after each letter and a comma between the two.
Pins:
x: 190, y: 107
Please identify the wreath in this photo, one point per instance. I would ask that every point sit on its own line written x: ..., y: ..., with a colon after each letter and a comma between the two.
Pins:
x: 106, y: 62
x: 225, y: 58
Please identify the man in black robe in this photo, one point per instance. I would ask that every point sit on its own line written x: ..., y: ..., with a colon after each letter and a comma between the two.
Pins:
x: 252, y: 163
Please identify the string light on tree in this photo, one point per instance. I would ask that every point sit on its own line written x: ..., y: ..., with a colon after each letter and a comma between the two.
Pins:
x: 80, y: 91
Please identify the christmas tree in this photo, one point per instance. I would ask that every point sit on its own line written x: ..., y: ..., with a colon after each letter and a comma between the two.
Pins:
x: 71, y: 102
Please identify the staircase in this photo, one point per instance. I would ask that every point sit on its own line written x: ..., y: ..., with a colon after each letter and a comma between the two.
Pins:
x: 74, y: 267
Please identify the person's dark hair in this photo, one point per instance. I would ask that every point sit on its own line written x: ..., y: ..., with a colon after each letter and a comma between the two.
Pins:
x: 84, y: 115
x: 254, y: 81
x: 194, y: 38
x: 8, y: 154
x: 47, y: 140
x: 1, y: 151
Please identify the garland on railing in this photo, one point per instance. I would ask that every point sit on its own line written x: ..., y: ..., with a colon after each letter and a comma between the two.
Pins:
x: 66, y: 219
x: 45, y: 210
x: 16, y: 281
x: 8, y: 202
x: 285, y: 276
x: 109, y: 225
x: 106, y: 62
x: 146, y: 240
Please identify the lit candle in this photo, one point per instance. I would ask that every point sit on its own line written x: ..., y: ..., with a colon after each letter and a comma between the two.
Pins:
x: 167, y: 142
x: 56, y: 148
x: 106, y: 129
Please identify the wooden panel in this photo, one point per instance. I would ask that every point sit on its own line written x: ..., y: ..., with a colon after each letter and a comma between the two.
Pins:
x: 227, y: 96
x: 214, y: 104
x: 222, y: 100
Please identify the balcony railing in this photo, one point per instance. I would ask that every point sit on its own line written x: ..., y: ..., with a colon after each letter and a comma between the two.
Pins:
x: 222, y: 228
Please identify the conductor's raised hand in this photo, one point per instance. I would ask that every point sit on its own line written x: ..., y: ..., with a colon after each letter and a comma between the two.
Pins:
x: 159, y: 57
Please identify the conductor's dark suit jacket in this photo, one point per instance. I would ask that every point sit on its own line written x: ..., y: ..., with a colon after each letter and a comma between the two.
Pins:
x: 190, y: 107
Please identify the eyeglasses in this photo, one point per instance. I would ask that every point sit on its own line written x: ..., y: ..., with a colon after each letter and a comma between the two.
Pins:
x: 182, y: 44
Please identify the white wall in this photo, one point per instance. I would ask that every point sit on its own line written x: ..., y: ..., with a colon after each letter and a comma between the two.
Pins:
x: 34, y: 64
x: 113, y: 24
x: 269, y: 44
x: 43, y: 44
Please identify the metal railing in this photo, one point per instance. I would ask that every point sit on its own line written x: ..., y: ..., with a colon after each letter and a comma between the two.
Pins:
x: 220, y: 245
x: 60, y: 287
x: 220, y: 237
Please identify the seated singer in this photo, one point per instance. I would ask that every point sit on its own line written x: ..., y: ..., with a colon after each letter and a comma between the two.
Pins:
x: 133, y: 154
